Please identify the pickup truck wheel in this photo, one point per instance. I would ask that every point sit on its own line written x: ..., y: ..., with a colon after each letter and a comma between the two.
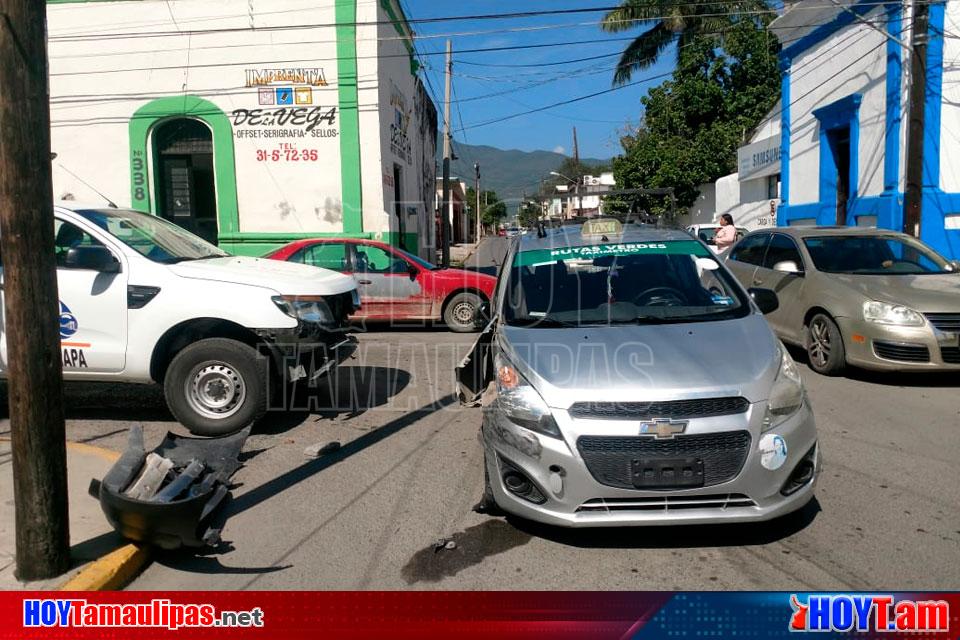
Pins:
x: 462, y: 311
x: 217, y: 386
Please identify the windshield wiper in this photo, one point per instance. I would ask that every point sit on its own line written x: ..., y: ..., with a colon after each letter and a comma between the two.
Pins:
x: 543, y: 323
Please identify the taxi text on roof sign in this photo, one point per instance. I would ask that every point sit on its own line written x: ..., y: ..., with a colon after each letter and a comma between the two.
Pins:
x: 608, y: 227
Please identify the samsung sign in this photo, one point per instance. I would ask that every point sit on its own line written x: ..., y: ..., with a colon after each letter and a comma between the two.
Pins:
x: 759, y: 159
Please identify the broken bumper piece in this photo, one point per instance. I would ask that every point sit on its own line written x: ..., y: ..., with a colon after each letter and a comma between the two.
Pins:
x: 167, y: 497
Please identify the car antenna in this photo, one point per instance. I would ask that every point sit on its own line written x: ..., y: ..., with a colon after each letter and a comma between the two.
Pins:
x: 110, y: 202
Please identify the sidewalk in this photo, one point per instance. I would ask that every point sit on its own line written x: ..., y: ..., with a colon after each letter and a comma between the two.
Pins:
x: 91, y: 536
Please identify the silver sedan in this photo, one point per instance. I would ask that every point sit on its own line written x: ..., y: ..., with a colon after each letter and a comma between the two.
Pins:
x: 854, y: 296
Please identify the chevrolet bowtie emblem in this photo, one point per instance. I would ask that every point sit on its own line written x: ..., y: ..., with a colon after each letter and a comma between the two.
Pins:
x: 662, y: 429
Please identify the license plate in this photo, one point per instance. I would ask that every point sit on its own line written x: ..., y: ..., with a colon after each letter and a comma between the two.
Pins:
x: 654, y: 473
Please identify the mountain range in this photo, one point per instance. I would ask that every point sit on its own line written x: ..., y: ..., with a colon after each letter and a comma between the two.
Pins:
x: 511, y: 173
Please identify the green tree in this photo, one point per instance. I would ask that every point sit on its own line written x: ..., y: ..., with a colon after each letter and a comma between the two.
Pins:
x: 492, y: 208
x: 673, y: 21
x: 694, y: 123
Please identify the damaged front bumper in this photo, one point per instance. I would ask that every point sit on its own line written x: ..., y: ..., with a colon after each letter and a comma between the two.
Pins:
x: 306, y: 351
x: 173, y: 508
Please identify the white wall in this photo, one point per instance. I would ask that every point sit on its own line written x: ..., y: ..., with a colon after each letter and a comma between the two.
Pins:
x: 98, y: 83
x: 950, y: 129
x: 746, y: 201
x: 851, y: 61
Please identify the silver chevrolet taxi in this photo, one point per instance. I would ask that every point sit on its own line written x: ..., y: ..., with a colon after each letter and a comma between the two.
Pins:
x: 626, y: 378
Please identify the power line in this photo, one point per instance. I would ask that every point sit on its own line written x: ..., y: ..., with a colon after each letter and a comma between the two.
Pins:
x: 469, y: 17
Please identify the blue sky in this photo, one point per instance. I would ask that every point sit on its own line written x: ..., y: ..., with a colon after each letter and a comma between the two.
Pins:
x: 599, y: 120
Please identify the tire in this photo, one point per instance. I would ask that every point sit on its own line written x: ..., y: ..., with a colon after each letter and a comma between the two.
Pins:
x: 217, y: 386
x: 461, y: 313
x: 824, y: 345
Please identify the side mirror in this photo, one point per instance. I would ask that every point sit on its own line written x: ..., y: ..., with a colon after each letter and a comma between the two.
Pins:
x: 787, y: 266
x: 765, y: 299
x: 93, y: 259
x: 413, y: 271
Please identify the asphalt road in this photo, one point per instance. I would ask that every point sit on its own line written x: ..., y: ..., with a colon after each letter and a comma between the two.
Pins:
x: 887, y: 513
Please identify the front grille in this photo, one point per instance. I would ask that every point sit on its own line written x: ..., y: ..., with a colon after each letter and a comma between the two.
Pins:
x: 901, y: 352
x: 674, y: 409
x: 948, y: 322
x: 667, y: 503
x: 951, y: 355
x: 609, y: 459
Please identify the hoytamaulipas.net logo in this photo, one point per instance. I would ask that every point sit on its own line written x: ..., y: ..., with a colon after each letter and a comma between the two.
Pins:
x: 868, y: 613
x: 61, y: 612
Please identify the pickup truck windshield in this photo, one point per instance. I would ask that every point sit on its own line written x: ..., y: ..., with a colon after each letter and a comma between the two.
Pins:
x: 629, y: 283
x: 153, y: 237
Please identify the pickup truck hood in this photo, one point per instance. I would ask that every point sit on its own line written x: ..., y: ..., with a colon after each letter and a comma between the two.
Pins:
x: 286, y: 278
x: 925, y: 293
x: 646, y: 363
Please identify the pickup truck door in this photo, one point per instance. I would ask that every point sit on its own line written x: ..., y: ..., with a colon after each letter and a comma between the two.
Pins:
x: 93, y: 309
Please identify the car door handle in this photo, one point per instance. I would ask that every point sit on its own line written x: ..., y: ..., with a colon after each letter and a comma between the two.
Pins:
x: 757, y: 282
x: 364, y: 281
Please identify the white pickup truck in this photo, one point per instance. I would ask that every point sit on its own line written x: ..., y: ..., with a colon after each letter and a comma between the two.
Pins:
x: 144, y: 301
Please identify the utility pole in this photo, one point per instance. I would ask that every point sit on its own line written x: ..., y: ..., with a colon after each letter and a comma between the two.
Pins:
x: 31, y: 304
x: 913, y: 198
x: 476, y: 168
x: 579, y: 176
x: 445, y: 218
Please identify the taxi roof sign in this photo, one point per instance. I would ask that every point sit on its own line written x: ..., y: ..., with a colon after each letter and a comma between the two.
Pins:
x: 602, y: 227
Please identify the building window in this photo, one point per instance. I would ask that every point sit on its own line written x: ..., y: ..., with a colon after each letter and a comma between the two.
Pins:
x: 773, y: 187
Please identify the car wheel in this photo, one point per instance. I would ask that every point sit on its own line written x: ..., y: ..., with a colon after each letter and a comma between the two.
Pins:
x: 462, y: 311
x: 217, y: 386
x: 825, y: 346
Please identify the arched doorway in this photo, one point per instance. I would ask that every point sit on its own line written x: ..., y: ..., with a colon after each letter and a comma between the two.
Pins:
x: 183, y: 165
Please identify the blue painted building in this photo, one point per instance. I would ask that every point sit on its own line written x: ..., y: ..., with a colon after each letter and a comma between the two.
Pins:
x: 844, y: 116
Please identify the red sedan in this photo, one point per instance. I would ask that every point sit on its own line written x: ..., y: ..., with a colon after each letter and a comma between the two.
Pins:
x: 396, y: 285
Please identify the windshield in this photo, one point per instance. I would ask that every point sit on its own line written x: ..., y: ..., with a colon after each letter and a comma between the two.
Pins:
x: 634, y: 283
x: 420, y: 261
x: 151, y: 236
x: 874, y: 255
x: 707, y: 234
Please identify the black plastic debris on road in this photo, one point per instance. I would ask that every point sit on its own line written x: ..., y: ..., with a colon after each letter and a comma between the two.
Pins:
x: 167, y: 497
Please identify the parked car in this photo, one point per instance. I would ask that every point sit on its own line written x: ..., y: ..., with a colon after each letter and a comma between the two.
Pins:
x: 853, y: 296
x: 626, y: 378
x: 395, y: 284
x: 707, y: 233
x: 142, y: 300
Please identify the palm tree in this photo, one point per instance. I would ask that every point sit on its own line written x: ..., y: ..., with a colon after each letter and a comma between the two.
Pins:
x: 673, y: 21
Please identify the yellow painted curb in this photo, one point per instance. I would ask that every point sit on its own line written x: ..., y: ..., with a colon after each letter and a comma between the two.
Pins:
x: 113, y: 571
x: 81, y: 447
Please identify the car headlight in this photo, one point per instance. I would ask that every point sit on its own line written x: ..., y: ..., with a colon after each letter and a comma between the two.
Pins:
x: 311, y: 309
x: 787, y: 394
x: 893, y: 314
x: 520, y: 401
